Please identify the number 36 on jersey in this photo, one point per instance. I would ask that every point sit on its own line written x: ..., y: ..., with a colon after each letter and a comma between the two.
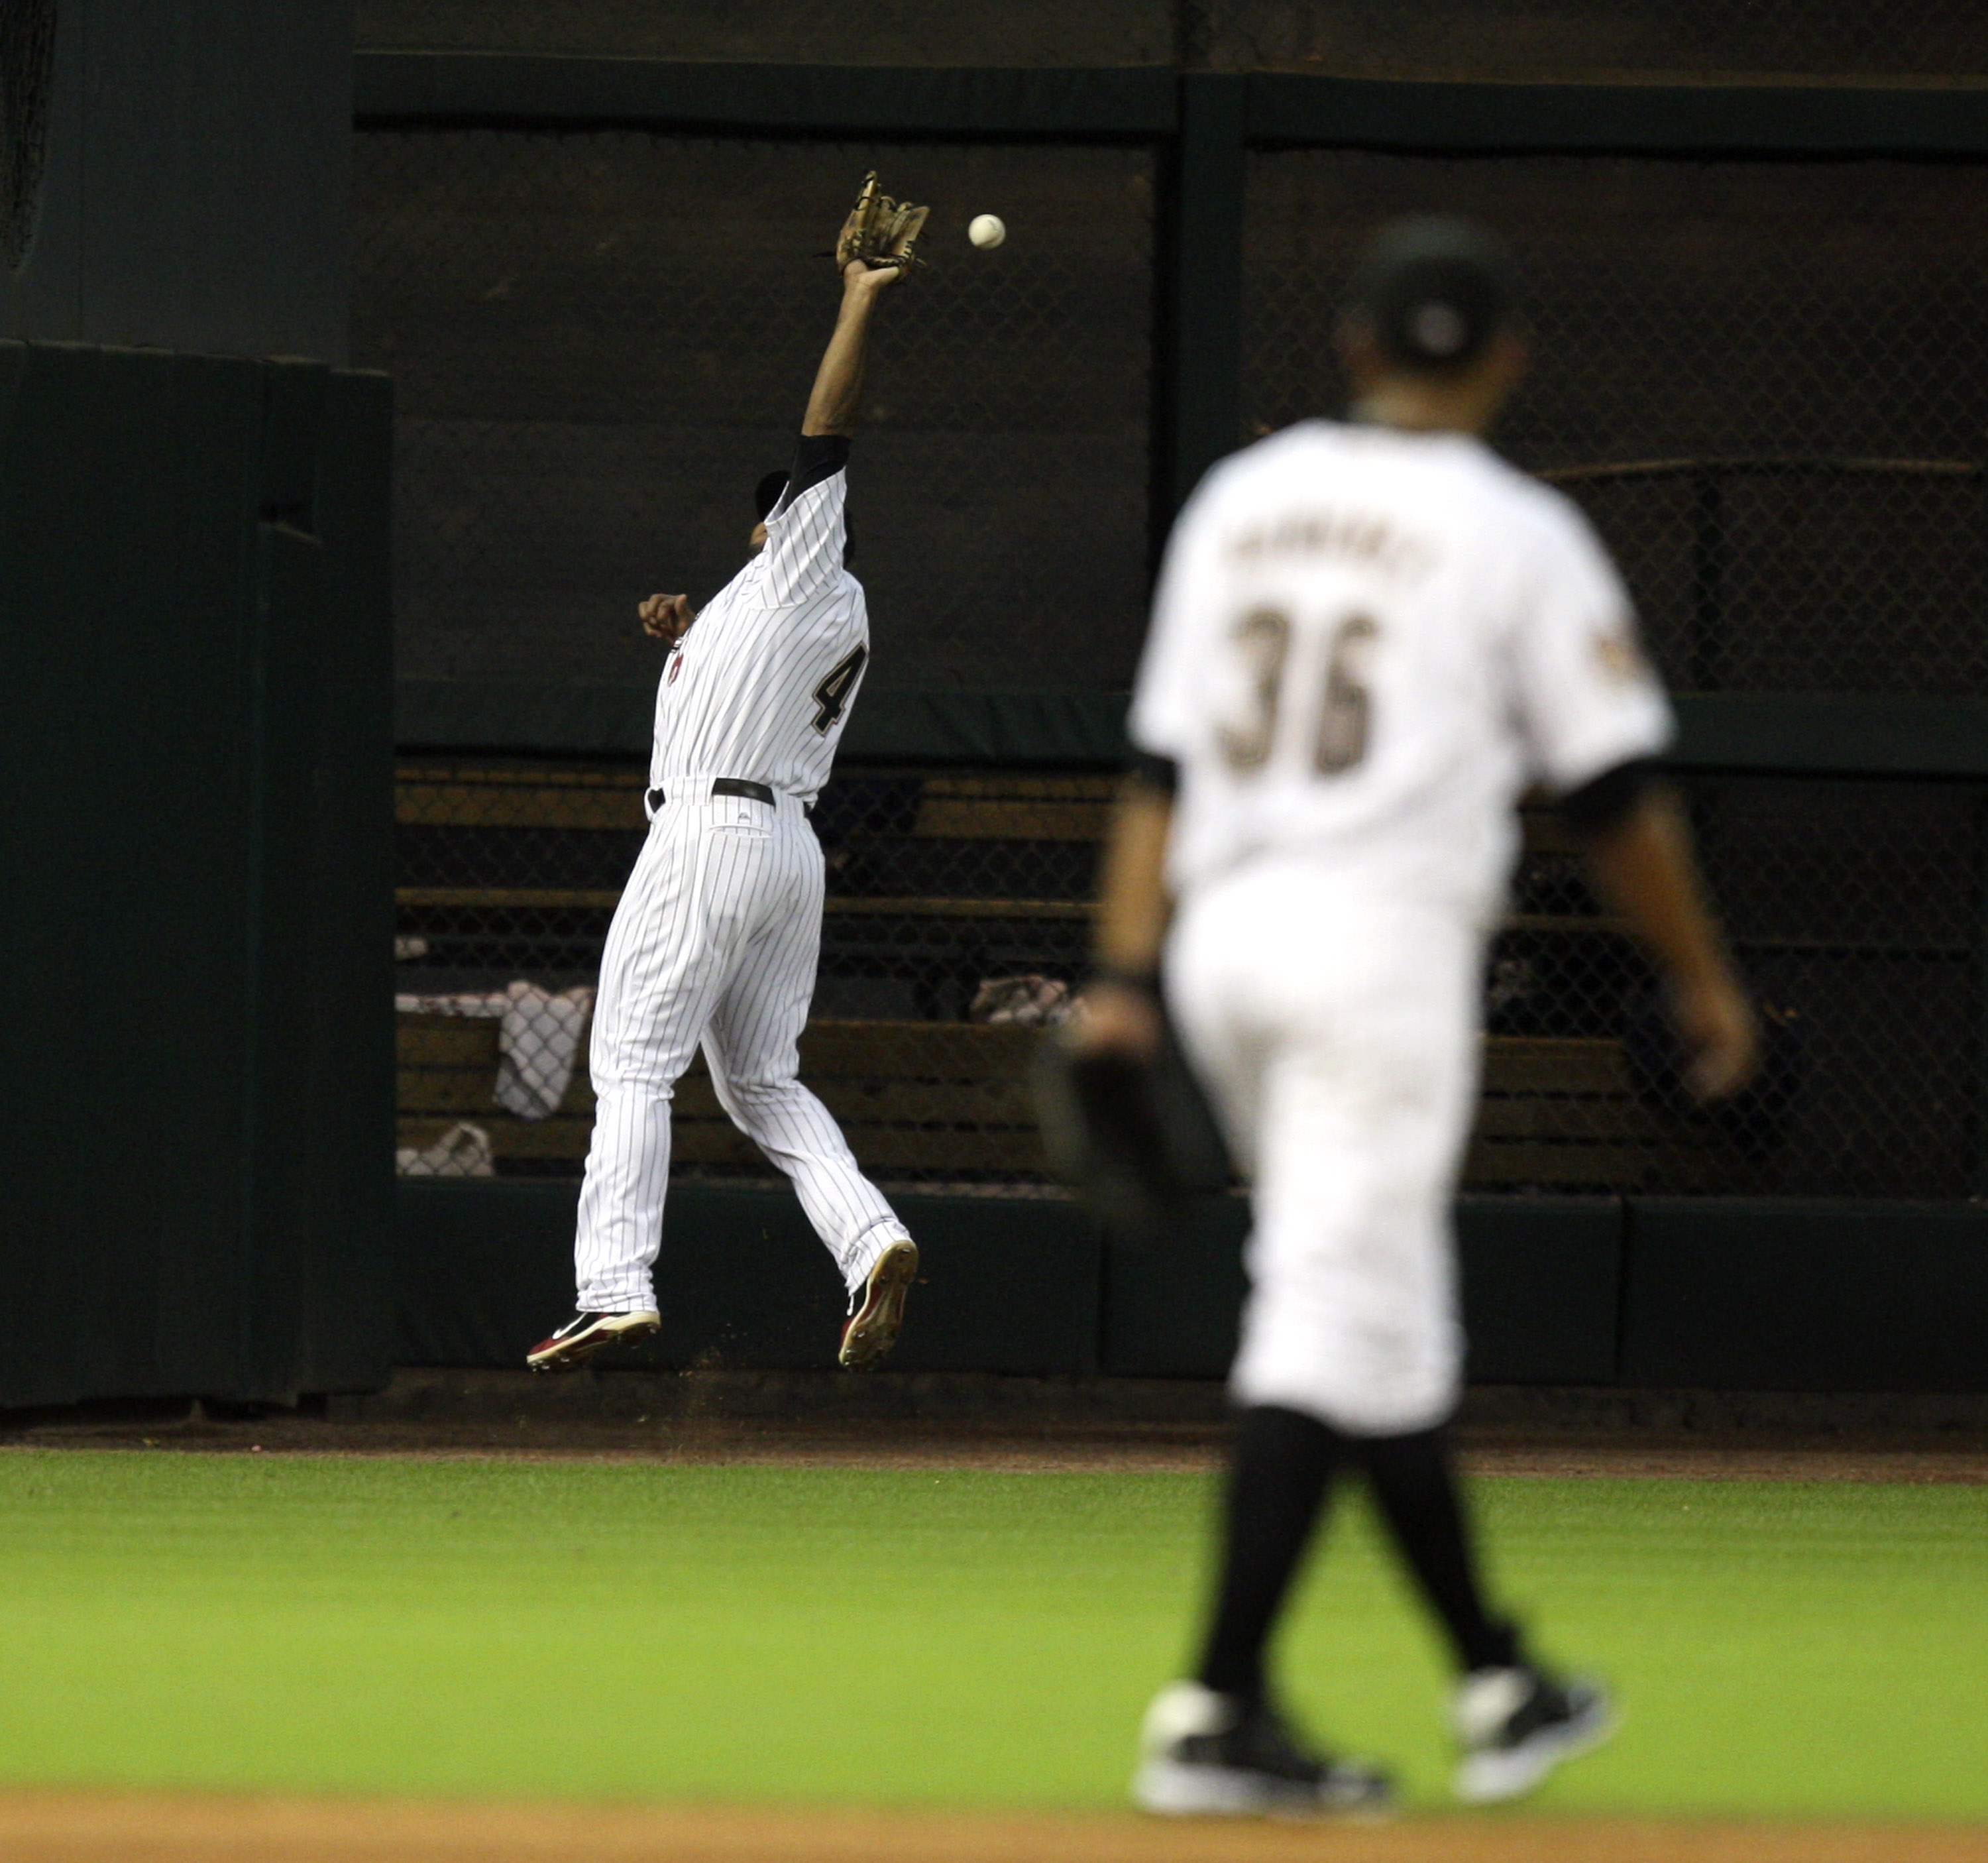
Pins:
x: 1339, y: 715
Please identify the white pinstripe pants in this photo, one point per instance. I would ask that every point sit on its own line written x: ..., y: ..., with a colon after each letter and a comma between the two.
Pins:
x: 714, y: 942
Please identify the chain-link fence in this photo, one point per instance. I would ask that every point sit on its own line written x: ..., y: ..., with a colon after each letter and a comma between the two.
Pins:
x: 956, y: 923
x: 1522, y: 39
x: 1855, y: 909
x: 1766, y: 382
x: 27, y: 69
x: 957, y: 920
x: 601, y: 341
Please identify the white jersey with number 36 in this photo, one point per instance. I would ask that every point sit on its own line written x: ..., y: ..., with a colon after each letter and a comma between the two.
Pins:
x: 761, y: 686
x: 1366, y: 644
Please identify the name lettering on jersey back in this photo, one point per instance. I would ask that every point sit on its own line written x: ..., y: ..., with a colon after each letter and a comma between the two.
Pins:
x: 1358, y: 536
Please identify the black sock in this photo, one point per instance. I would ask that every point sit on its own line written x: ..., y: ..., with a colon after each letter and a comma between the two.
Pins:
x: 1280, y: 1468
x: 1416, y: 1488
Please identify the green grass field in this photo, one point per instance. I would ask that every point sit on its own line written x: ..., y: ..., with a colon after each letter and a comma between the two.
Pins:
x: 627, y: 1630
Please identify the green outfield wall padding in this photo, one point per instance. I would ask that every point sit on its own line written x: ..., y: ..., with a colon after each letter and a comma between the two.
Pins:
x: 1539, y: 1283
x: 1172, y: 1311
x: 1008, y: 1284
x: 194, y: 667
x: 1647, y: 1293
x: 605, y: 717
x: 486, y: 1271
x: 1796, y: 735
x: 1541, y: 1280
x: 1805, y: 1297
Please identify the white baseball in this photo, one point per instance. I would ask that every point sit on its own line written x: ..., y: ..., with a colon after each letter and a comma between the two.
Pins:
x: 986, y: 230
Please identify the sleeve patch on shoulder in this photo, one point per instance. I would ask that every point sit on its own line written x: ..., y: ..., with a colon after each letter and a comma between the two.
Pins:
x: 1619, y: 656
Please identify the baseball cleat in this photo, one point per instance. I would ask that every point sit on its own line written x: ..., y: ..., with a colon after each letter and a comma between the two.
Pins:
x: 1517, y: 1725
x: 874, y: 1327
x: 1207, y: 1755
x: 586, y: 1333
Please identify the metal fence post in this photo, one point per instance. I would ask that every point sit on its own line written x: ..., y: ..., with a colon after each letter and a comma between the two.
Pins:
x: 1707, y: 638
x: 1198, y: 388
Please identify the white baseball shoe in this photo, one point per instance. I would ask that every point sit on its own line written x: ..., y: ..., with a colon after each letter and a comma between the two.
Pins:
x: 1206, y: 1755
x: 1517, y: 1725
x: 586, y: 1333
x: 874, y: 1327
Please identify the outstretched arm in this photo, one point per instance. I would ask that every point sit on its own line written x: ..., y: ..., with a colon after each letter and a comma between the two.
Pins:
x: 838, y: 383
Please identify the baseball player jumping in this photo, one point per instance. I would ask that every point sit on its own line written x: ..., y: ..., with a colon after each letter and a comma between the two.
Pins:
x: 716, y: 937
x: 1369, y: 639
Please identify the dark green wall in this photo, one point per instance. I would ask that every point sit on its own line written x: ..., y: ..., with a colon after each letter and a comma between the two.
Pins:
x: 195, y: 731
x: 196, y: 189
x: 1783, y: 734
x: 1704, y: 1294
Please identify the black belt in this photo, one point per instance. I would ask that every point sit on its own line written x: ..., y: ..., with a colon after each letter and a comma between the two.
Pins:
x: 726, y: 785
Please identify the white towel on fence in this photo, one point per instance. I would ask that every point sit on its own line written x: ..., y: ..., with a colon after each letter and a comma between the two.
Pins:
x: 538, y: 1039
x: 537, y: 1043
x: 462, y: 1151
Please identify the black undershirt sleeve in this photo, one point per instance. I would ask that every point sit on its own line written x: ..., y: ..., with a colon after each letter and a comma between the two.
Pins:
x: 1608, y: 801
x: 1162, y: 774
x: 816, y: 457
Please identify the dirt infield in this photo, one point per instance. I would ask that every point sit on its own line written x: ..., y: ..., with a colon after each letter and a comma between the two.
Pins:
x: 998, y: 1443
x: 47, y: 1828
x: 709, y: 1416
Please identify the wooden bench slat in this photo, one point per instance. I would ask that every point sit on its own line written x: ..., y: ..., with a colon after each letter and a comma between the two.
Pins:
x: 1618, y: 1167
x: 433, y: 1089
x: 957, y: 1050
x: 960, y: 818
x: 953, y: 1096
x: 445, y: 1041
x: 1541, y: 1063
x: 603, y: 899
x: 526, y: 776
x: 988, y: 1103
x: 542, y: 898
x: 705, y: 1141
x: 938, y: 1050
x: 1559, y: 1116
x: 1062, y: 909
x: 559, y: 1137
x: 463, y: 805
x: 1095, y: 789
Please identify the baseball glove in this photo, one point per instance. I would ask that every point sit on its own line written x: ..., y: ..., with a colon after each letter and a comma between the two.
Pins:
x: 880, y: 231
x: 1136, y: 1137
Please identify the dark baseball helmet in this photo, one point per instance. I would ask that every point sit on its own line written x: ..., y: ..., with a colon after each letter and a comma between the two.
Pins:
x: 1433, y: 292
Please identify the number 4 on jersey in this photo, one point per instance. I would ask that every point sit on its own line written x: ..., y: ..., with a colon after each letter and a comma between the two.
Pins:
x: 831, y: 697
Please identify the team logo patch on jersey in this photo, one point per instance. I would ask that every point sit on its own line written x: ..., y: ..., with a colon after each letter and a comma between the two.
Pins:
x: 1619, y: 656
x: 676, y: 667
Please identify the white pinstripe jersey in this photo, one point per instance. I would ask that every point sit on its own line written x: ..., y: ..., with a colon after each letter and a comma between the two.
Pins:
x: 762, y: 685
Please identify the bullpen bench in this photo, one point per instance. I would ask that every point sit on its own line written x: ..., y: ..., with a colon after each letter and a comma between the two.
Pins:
x: 938, y: 881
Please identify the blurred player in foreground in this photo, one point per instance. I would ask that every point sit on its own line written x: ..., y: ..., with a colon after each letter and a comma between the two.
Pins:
x: 715, y: 940
x: 1369, y: 639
